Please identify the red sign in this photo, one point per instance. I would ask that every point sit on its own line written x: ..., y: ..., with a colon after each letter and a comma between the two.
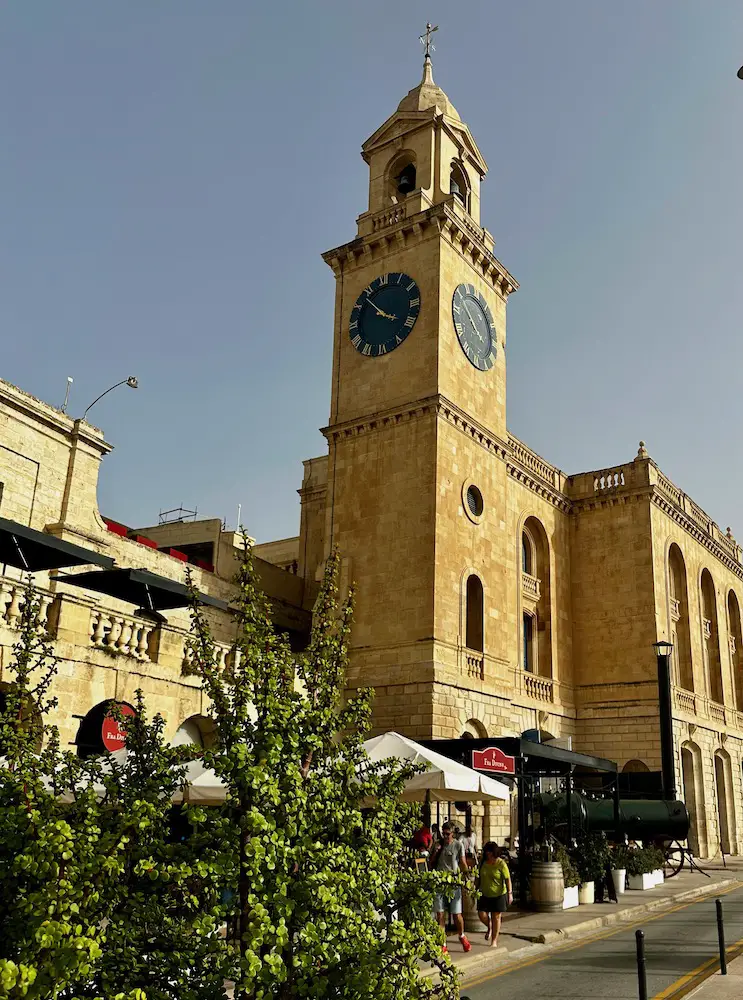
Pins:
x: 493, y: 759
x: 112, y: 732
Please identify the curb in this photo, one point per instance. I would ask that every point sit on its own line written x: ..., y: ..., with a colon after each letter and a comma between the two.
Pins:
x: 630, y: 914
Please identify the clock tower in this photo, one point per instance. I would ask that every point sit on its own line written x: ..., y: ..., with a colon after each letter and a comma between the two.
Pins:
x: 417, y: 432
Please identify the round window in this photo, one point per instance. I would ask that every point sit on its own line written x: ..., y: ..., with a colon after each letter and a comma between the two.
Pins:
x: 474, y: 501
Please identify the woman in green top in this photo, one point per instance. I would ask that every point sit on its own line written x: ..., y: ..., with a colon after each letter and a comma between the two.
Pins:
x: 494, y: 885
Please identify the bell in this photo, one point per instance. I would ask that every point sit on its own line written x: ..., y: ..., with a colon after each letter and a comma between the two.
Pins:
x: 406, y: 180
x: 456, y: 190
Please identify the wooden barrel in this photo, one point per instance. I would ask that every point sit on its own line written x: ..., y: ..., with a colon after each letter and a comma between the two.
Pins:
x: 547, y: 886
x: 472, y: 922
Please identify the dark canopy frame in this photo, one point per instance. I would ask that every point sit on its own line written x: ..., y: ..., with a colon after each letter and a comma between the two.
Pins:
x: 533, y: 761
x: 149, y: 591
x: 33, y: 551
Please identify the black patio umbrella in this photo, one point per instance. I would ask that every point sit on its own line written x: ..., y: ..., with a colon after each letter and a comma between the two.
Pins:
x: 33, y: 551
x: 149, y: 591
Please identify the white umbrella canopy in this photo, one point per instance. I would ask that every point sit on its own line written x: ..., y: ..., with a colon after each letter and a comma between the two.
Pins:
x: 201, y: 786
x: 444, y: 780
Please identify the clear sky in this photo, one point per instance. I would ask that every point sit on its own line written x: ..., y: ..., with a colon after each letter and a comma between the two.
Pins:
x: 171, y: 172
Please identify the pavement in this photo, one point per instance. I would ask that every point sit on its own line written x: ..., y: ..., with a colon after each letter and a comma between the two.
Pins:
x: 717, y: 987
x: 527, y: 935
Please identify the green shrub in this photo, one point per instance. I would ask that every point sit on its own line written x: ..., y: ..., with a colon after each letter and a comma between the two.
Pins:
x: 570, y: 874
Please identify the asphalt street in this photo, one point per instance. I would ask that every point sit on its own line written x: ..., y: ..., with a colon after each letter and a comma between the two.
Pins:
x: 676, y: 943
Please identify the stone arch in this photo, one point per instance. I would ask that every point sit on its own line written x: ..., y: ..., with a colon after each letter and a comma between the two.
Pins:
x: 473, y: 729
x: 98, y: 733
x: 693, y: 788
x: 711, y: 637
x: 198, y: 730
x: 459, y: 183
x: 535, y: 620
x: 635, y: 767
x: 735, y: 642
x: 678, y: 617
x: 402, y: 165
x: 725, y: 801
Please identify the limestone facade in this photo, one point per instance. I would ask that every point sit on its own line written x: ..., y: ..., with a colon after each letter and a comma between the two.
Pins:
x: 534, y: 607
x: 49, y: 466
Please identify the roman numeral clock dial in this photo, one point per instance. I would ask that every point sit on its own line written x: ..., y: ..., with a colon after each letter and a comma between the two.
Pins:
x: 475, y: 328
x: 384, y: 314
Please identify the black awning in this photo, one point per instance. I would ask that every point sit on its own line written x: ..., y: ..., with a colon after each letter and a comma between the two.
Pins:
x: 535, y: 758
x: 138, y: 586
x: 33, y: 551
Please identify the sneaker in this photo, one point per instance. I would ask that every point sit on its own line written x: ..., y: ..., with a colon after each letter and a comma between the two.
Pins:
x: 466, y: 946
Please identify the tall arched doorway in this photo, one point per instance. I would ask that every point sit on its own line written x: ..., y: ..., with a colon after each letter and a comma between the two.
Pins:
x: 694, y: 797
x: 725, y: 811
x: 710, y: 637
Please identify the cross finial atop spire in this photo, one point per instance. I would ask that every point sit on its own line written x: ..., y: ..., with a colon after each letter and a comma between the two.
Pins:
x: 426, y: 40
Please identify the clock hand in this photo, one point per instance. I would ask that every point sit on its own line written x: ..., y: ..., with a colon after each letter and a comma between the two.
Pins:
x: 474, y: 325
x: 381, y: 312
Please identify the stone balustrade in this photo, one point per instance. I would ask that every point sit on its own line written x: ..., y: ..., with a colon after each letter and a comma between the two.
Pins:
x: 707, y: 626
x: 226, y: 655
x: 12, y: 599
x: 533, y: 462
x: 717, y: 712
x: 731, y: 643
x: 686, y: 701
x: 121, y: 635
x: 609, y: 479
x: 675, y: 609
x: 388, y: 217
x: 475, y: 664
x: 538, y: 688
x: 530, y: 586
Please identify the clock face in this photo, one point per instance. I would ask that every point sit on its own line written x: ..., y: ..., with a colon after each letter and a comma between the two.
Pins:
x: 384, y: 314
x: 475, y: 328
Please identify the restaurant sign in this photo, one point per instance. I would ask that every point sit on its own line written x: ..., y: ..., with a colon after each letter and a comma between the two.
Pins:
x: 112, y: 732
x: 493, y: 760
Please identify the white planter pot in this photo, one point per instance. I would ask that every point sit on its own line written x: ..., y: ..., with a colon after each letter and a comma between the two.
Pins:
x: 570, y: 899
x: 618, y: 877
x: 645, y: 881
x: 658, y: 876
x: 586, y: 893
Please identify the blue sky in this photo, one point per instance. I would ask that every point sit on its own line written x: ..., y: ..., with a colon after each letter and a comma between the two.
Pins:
x: 171, y: 173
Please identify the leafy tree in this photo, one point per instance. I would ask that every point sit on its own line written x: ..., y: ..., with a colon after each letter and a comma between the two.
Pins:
x: 313, y: 832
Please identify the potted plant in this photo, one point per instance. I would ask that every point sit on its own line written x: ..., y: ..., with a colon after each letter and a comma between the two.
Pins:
x: 619, y: 861
x: 640, y: 864
x: 570, y: 877
x: 592, y: 855
x: 657, y: 858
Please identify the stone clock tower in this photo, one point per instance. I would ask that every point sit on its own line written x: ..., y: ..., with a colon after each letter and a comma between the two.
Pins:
x: 417, y: 433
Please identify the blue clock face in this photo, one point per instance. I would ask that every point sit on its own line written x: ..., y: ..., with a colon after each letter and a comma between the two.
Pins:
x: 384, y: 314
x: 473, y: 322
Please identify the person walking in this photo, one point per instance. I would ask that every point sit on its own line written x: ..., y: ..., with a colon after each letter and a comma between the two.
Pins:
x: 449, y: 857
x: 496, y: 895
x: 469, y: 842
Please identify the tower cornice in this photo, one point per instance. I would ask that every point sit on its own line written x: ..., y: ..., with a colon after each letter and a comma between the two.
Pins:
x: 393, y: 228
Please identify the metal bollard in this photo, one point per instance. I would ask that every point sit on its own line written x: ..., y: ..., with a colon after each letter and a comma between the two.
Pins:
x: 642, y: 979
x: 721, y: 939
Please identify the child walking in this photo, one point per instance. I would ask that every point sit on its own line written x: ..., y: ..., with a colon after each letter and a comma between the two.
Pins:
x: 494, y: 885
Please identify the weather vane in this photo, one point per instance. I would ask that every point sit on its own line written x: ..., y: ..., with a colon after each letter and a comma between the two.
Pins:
x: 426, y: 39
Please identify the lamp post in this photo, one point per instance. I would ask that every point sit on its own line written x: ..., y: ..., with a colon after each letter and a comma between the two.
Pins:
x: 663, y: 652
x: 131, y: 382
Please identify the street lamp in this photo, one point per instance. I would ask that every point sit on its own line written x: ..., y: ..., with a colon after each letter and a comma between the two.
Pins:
x: 131, y: 382
x: 663, y: 650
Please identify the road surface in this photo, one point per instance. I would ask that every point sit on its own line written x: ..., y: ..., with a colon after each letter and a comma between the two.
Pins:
x: 677, y: 943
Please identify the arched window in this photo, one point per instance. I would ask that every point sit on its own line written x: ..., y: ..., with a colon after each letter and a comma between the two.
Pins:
x: 459, y: 184
x: 710, y: 637
x: 528, y: 640
x: 475, y: 618
x: 536, y: 637
x: 635, y: 767
x: 679, y: 614
x: 735, y: 641
x: 526, y: 555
